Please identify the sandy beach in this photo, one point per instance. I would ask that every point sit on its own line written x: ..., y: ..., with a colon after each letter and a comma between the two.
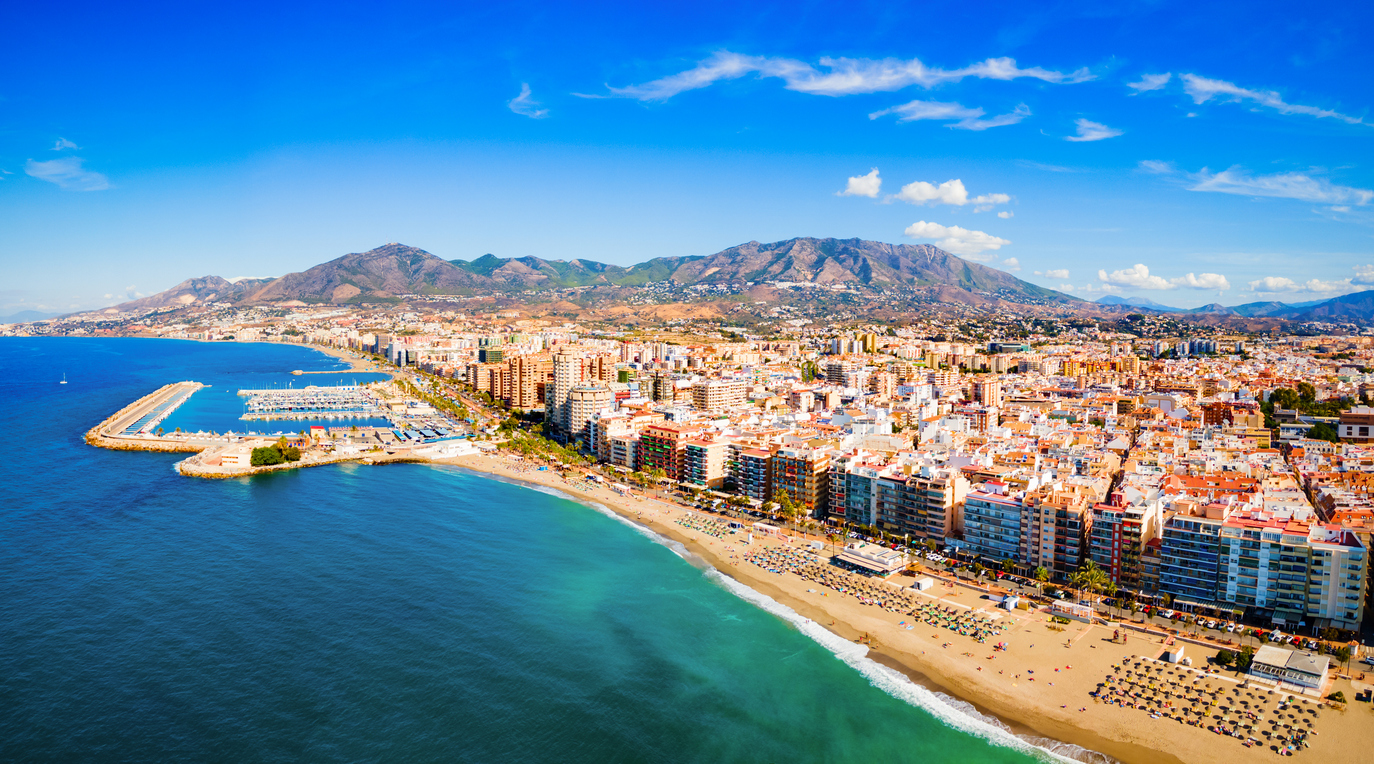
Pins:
x: 1051, y: 680
x: 356, y: 362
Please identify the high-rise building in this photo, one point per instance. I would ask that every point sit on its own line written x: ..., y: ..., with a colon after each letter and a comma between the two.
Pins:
x: 567, y: 374
x: 717, y: 394
x: 1057, y: 523
x: 1120, y: 533
x: 803, y: 473
x: 584, y: 402
x: 750, y: 469
x: 988, y: 392
x: 993, y: 522
x: 528, y: 376
x: 703, y: 462
x: 1189, y: 552
x: 662, y: 447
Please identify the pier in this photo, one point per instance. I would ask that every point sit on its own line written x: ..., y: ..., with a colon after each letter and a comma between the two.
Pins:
x: 143, y: 417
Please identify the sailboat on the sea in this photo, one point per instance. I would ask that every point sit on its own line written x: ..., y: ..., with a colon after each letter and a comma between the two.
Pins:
x: 64, y: 379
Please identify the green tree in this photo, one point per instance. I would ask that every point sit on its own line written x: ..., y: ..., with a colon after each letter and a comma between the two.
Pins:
x: 1324, y: 431
x: 266, y: 456
x: 1090, y: 579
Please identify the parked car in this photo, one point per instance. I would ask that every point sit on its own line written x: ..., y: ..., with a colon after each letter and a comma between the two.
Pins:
x: 1168, y: 614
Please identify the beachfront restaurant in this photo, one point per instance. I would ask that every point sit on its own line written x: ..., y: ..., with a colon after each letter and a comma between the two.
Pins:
x: 871, y: 558
x: 1303, y: 669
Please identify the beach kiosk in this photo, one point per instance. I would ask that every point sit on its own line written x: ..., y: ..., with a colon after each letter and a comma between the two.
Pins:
x: 1306, y: 670
x: 1077, y: 611
x: 871, y: 558
x: 923, y: 583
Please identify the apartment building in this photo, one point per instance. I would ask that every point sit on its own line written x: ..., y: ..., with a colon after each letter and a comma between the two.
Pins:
x: 1118, y: 537
x: 1190, y: 552
x: 663, y: 447
x: 993, y: 526
x: 1055, y: 526
x: 925, y: 504
x: 567, y: 373
x: 751, y: 472
x: 717, y: 394
x: 803, y: 473
x: 528, y: 376
x: 584, y: 402
x: 703, y: 463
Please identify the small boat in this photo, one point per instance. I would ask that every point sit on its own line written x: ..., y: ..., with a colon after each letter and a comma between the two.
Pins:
x: 64, y: 379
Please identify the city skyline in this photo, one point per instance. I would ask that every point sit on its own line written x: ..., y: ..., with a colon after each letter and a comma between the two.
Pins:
x: 1140, y: 154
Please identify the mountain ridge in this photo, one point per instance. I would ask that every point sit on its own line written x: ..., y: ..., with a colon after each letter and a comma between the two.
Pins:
x: 387, y: 273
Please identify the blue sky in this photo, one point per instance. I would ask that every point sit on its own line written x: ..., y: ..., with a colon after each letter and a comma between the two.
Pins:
x: 1187, y: 152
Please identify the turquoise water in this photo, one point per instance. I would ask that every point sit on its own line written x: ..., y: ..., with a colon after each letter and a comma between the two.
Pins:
x: 393, y: 613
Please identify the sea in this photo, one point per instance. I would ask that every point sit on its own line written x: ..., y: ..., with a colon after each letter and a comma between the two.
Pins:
x: 386, y: 613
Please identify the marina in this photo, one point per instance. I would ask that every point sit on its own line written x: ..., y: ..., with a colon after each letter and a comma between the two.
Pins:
x: 312, y: 402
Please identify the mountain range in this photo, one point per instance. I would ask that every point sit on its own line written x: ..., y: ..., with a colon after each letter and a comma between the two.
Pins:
x: 1356, y: 306
x: 27, y: 316
x: 389, y: 272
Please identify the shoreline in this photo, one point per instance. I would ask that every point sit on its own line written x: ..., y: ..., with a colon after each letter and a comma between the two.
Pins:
x: 1063, y: 715
x: 1038, y: 732
x: 1041, y: 714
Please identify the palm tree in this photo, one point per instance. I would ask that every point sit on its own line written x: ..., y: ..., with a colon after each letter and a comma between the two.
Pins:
x: 1092, y: 580
x: 1042, y: 576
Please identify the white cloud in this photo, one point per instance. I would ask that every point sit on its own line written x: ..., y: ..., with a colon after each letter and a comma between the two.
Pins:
x: 524, y: 105
x: 67, y: 173
x: 963, y: 118
x: 1284, y: 185
x: 1006, y: 214
x: 950, y: 192
x: 1139, y: 277
x: 864, y: 185
x: 1054, y: 273
x: 842, y: 76
x: 1362, y: 280
x: 1202, y: 281
x: 1151, y: 82
x: 1203, y: 90
x: 1092, y: 131
x: 1011, y: 264
x: 1066, y: 288
x: 63, y: 143
x: 957, y: 240
x: 1278, y: 284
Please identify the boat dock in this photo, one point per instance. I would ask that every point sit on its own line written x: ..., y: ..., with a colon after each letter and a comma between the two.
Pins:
x: 339, y: 402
